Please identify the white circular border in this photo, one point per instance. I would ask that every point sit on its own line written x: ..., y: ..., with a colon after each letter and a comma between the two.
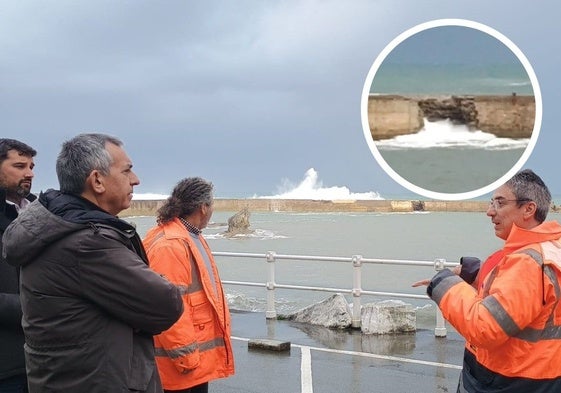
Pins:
x: 366, y: 92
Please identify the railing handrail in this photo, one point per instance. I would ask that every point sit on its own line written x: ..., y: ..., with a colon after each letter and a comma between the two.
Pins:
x: 414, y: 262
x: 356, y: 291
x: 325, y: 289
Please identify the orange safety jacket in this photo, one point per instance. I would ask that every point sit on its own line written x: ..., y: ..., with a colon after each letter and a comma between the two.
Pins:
x: 486, y: 268
x: 197, y: 348
x: 512, y: 324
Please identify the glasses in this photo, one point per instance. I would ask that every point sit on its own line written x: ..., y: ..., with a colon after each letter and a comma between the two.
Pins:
x: 497, y: 203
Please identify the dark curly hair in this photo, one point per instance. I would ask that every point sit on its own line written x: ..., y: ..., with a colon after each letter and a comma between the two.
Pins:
x: 187, y: 196
x: 7, y: 144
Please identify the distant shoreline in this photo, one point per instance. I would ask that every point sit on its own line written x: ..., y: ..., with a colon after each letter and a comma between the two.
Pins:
x: 149, y: 207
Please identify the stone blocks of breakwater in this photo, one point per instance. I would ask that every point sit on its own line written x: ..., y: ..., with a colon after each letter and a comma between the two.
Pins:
x: 388, y: 316
x: 149, y: 207
x: 508, y: 116
x: 333, y: 312
x: 383, y: 317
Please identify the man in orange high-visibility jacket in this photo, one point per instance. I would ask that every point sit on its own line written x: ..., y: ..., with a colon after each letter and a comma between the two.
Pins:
x: 197, y: 348
x: 512, y: 323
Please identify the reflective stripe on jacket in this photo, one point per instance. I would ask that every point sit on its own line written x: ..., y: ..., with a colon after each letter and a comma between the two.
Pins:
x: 197, y: 348
x: 513, y: 323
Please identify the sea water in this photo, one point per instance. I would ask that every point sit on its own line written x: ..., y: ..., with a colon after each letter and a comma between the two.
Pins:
x: 447, y: 78
x: 444, y: 157
x: 449, y: 158
x: 451, y: 170
x: 412, y: 236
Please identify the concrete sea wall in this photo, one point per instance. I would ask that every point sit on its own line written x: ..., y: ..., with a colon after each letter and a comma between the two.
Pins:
x: 508, y: 116
x: 149, y: 208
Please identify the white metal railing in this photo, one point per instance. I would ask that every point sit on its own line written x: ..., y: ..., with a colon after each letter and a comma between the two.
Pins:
x: 356, y: 291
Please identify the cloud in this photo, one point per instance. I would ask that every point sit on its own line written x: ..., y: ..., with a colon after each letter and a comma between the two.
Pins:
x: 245, y: 93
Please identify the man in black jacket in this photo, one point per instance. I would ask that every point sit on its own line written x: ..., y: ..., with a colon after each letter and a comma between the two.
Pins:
x: 16, y: 174
x: 90, y: 302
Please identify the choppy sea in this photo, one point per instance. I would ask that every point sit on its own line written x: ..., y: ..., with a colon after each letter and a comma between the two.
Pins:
x: 415, y: 236
x: 448, y: 158
x: 444, y: 157
x: 450, y: 78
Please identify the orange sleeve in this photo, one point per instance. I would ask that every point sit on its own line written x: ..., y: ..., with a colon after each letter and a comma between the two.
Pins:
x: 514, y: 302
x: 171, y: 259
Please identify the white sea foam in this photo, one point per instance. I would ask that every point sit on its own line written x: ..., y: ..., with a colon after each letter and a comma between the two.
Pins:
x: 312, y: 188
x: 259, y: 234
x: 149, y: 197
x: 309, y: 188
x: 443, y: 133
x: 242, y: 302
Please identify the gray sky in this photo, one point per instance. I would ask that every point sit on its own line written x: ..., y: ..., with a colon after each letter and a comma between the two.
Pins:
x: 452, y: 45
x: 243, y: 93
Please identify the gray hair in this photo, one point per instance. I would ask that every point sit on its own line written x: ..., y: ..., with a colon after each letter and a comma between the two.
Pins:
x: 187, y: 196
x: 527, y: 186
x: 79, y: 157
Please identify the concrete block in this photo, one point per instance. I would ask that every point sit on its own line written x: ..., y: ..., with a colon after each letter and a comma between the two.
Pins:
x: 268, y: 345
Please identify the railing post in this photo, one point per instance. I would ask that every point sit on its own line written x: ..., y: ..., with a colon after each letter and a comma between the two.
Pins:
x: 440, y: 329
x: 271, y: 312
x: 357, y: 289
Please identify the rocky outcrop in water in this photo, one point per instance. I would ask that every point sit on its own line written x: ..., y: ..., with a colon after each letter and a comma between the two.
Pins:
x: 239, y: 223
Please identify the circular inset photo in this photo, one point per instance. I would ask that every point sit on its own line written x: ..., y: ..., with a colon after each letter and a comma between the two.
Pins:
x: 451, y: 109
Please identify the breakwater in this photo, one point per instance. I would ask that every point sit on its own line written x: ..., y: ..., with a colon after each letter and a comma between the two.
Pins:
x: 149, y: 207
x: 507, y: 116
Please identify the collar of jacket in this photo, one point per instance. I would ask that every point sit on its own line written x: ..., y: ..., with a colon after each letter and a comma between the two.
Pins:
x: 519, y: 237
x: 73, y: 208
x: 3, y: 203
x: 8, y: 213
x: 175, y: 229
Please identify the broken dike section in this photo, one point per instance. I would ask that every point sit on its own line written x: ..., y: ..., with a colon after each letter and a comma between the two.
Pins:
x: 505, y: 116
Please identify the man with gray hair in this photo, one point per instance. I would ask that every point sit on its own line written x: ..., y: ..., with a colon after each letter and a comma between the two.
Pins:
x: 90, y: 302
x: 512, y: 322
x: 16, y: 175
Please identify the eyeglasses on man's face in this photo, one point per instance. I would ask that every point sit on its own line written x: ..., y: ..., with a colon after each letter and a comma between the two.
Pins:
x: 497, y: 203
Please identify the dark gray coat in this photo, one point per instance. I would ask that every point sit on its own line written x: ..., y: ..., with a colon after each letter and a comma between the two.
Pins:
x: 90, y: 302
x: 12, y: 361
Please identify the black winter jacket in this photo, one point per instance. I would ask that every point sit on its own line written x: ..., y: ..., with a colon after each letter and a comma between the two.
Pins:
x: 90, y: 302
x: 12, y: 361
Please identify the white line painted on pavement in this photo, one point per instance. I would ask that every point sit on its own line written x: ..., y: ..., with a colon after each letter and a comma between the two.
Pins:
x: 306, y: 370
x: 372, y: 355
x: 385, y: 357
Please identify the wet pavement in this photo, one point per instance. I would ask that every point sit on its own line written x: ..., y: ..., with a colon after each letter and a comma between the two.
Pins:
x: 322, y: 360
